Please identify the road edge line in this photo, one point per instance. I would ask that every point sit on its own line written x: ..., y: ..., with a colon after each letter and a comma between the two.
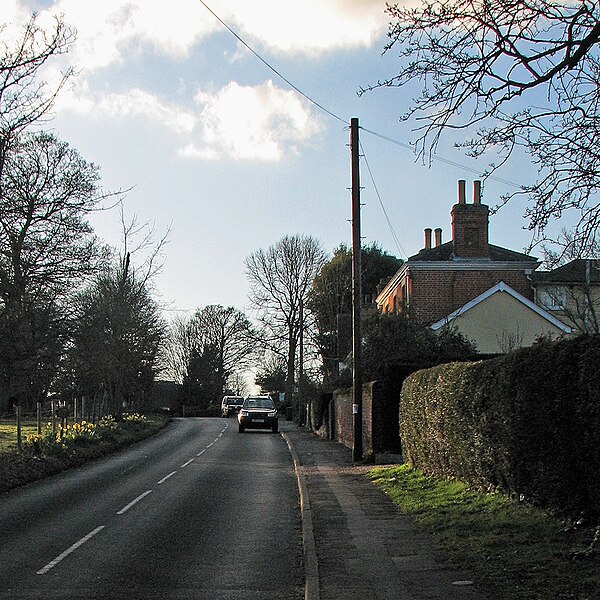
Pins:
x: 311, y: 564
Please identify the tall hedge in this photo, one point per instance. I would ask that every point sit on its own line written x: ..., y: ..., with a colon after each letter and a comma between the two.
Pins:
x: 526, y: 423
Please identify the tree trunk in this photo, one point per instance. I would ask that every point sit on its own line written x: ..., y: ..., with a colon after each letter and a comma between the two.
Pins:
x: 289, y: 382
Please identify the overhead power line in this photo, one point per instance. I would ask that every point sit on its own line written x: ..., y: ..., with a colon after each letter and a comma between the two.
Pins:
x: 270, y: 66
x: 401, y: 250
x: 435, y: 157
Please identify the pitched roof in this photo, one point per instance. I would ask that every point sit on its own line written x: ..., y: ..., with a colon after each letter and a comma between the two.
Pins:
x: 572, y: 272
x: 499, y: 288
x: 445, y: 252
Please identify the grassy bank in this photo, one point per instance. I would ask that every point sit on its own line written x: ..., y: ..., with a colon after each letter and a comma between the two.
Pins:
x: 514, y: 551
x: 19, y: 468
x: 8, y: 433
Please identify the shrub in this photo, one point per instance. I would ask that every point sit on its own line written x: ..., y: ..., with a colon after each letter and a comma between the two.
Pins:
x: 108, y: 428
x: 66, y: 437
x: 527, y: 423
x: 212, y: 410
x: 134, y: 421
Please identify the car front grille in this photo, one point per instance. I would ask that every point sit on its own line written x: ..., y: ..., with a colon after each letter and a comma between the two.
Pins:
x: 259, y: 415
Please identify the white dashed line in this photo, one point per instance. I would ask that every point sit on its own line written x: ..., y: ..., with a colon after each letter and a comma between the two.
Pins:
x: 133, y: 502
x: 68, y: 551
x: 166, y: 477
x: 90, y: 535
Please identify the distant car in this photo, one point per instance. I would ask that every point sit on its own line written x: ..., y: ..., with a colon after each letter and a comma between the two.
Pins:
x: 258, y: 412
x: 231, y: 405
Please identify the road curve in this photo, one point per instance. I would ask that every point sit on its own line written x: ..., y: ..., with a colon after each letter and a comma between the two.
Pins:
x: 196, y: 512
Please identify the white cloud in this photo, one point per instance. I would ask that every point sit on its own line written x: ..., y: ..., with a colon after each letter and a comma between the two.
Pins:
x: 241, y: 122
x: 134, y: 103
x: 250, y: 123
x: 13, y: 12
x: 110, y: 29
x: 14, y: 17
x: 310, y: 26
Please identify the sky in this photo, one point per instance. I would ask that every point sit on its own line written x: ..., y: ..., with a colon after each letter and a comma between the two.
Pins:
x: 218, y: 150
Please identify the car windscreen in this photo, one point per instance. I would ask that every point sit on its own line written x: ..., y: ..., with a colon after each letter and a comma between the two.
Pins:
x: 259, y: 403
x: 234, y: 401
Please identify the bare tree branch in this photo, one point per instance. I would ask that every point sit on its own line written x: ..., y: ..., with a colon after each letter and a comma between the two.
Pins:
x: 527, y: 75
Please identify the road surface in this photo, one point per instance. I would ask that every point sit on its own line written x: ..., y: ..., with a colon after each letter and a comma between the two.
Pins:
x: 198, y: 511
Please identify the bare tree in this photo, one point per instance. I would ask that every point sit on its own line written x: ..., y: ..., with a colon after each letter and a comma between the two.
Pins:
x: 223, y: 333
x: 177, y: 349
x: 24, y: 97
x: 280, y: 281
x: 47, y: 249
x: 230, y: 333
x: 118, y: 331
x: 140, y: 239
x: 527, y: 75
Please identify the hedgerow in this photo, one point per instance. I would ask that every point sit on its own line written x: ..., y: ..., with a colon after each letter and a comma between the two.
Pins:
x: 527, y: 423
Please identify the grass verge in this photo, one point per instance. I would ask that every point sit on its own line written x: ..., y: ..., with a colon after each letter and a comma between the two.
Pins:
x: 8, y: 433
x: 514, y: 551
x: 19, y: 468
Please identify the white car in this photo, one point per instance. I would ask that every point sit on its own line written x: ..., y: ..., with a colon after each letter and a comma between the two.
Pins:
x: 231, y: 405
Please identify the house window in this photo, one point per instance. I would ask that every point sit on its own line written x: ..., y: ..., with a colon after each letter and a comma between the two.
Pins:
x: 553, y: 298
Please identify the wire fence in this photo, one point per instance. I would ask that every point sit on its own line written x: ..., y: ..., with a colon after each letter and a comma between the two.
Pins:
x: 59, y: 413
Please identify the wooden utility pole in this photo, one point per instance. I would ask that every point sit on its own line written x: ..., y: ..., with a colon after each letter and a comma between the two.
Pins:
x: 357, y: 449
x: 301, y: 367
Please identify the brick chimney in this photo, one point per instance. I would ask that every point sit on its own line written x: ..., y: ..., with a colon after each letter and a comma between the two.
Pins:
x: 470, y: 224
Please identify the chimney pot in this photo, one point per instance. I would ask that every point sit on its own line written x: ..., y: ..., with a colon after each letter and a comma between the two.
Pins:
x: 477, y: 192
x: 438, y: 236
x: 427, y: 238
x: 461, y: 191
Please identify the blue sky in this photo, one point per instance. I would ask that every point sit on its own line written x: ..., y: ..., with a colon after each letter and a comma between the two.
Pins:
x: 218, y: 149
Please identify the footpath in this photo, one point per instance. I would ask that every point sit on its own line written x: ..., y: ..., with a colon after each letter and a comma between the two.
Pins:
x: 357, y: 545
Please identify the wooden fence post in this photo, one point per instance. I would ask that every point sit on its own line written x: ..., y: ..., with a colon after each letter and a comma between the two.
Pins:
x: 19, y: 436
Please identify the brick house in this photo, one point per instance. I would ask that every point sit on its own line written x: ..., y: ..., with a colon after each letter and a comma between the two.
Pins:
x: 467, y: 281
x: 571, y: 292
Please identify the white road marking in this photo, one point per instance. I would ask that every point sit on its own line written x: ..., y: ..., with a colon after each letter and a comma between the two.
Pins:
x: 166, y: 477
x: 201, y: 453
x: 185, y: 464
x: 68, y: 551
x: 133, y: 502
x: 210, y: 445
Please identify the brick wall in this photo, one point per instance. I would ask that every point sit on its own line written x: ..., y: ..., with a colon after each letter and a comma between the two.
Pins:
x: 380, y: 418
x: 435, y: 294
x: 343, y: 421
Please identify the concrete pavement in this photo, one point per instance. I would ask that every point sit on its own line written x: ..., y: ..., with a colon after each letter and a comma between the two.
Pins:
x: 357, y: 545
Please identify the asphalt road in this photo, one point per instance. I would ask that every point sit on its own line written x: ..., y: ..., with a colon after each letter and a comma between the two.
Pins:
x: 198, y: 511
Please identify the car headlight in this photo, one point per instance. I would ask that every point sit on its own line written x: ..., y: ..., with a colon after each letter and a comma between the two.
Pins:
x: 273, y: 413
x: 244, y: 413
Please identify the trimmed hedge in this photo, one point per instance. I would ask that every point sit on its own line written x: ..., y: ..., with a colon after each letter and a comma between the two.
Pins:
x: 527, y: 423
